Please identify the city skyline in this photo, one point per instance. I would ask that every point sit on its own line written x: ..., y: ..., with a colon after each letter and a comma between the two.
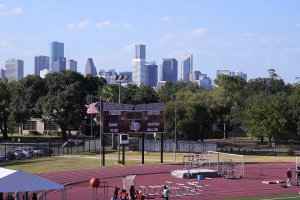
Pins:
x: 219, y: 34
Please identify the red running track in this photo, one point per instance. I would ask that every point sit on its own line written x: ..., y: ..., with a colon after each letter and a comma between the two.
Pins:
x: 76, y: 181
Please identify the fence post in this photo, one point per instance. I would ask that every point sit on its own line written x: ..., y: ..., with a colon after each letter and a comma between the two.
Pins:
x: 49, y: 149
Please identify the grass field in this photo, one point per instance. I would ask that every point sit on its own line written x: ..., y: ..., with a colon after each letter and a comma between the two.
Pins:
x: 278, y: 197
x: 92, y: 160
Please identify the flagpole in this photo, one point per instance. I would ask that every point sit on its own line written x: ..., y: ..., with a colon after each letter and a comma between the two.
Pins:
x: 102, y: 143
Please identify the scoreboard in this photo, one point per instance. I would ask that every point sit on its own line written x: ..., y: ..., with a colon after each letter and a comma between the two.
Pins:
x: 143, y: 118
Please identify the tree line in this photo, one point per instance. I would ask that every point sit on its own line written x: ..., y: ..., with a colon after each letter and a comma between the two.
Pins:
x: 262, y: 107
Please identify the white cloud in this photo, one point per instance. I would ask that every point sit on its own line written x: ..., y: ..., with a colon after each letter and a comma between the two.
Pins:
x: 31, y: 38
x: 109, y: 24
x: 4, y: 10
x: 79, y: 26
x: 128, y: 48
x: 6, y: 42
x: 123, y: 25
x: 166, y: 18
x: 17, y: 11
x: 166, y: 39
x: 199, y: 32
x: 104, y: 24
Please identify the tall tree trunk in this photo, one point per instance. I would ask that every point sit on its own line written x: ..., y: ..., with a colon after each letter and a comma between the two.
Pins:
x: 270, y: 141
x: 63, y: 133
x: 4, y: 131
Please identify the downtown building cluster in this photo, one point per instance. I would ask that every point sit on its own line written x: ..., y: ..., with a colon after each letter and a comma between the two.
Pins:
x: 143, y: 72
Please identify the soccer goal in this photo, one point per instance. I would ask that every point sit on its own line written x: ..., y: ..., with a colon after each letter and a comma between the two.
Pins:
x: 128, y: 181
x: 227, y: 165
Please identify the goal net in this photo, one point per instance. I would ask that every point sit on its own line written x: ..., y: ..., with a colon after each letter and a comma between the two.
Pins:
x: 128, y: 181
x: 227, y: 165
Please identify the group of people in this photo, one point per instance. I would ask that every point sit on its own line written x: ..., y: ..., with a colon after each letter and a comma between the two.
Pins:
x: 17, y: 196
x: 135, y: 194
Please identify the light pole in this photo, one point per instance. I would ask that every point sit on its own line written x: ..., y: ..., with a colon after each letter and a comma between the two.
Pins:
x: 120, y: 79
x: 175, y: 139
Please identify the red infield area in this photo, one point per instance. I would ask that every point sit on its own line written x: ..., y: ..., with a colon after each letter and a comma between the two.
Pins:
x: 77, y: 181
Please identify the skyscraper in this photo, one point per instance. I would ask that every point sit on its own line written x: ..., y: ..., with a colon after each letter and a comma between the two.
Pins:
x: 58, y: 61
x: 40, y: 63
x: 2, y: 72
x: 186, y: 67
x: 152, y: 72
x: 139, y: 74
x: 169, y: 70
x: 90, y: 67
x: 140, y: 51
x: 202, y: 79
x: 232, y: 73
x: 14, y: 69
x: 71, y: 65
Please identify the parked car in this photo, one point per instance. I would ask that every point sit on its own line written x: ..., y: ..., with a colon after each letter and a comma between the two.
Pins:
x: 2, y: 159
x: 10, y: 156
x: 19, y: 154
x: 28, y: 151
x: 72, y: 142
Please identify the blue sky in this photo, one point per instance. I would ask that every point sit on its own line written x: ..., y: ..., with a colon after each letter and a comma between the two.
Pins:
x: 248, y: 36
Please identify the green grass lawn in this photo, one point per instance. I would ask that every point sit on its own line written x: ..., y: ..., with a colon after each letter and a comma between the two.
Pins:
x: 92, y: 160
x: 277, y: 197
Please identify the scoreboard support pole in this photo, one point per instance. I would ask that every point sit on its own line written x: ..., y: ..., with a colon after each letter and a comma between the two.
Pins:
x: 143, y: 148
x: 161, y: 147
x: 123, y: 154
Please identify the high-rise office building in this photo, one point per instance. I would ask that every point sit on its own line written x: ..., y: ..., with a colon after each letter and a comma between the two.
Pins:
x: 152, y: 72
x: 2, y: 73
x: 139, y: 74
x: 14, y: 69
x: 186, y: 67
x: 71, y: 65
x: 169, y: 70
x: 90, y: 67
x: 58, y: 60
x: 232, y: 73
x: 109, y: 75
x: 202, y: 79
x: 128, y: 74
x: 140, y: 51
x: 40, y: 63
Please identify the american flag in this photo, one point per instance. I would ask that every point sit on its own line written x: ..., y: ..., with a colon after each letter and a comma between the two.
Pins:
x: 93, y: 108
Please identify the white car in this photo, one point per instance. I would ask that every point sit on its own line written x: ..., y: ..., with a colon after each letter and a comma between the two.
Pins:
x: 28, y: 151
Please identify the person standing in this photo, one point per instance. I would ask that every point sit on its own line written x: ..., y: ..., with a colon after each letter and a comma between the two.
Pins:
x: 289, y: 177
x: 166, y: 193
x: 34, y: 196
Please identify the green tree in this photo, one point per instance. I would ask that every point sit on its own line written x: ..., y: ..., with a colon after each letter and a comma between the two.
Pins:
x: 145, y: 94
x: 166, y: 93
x: 128, y: 93
x: 294, y: 107
x: 110, y: 93
x: 5, y: 98
x: 265, y: 117
x: 227, y: 95
x: 65, y: 100
x: 25, y: 95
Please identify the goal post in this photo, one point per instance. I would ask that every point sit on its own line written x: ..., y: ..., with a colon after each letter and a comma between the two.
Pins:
x: 228, y: 165
x: 128, y: 181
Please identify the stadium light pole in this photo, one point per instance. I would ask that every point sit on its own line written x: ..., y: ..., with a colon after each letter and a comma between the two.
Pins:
x: 175, y: 139
x: 120, y: 79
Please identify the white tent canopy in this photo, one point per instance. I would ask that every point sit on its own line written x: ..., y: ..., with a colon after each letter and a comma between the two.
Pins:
x: 18, y: 181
